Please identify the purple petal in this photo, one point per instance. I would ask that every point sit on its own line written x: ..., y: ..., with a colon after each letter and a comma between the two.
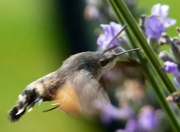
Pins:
x: 132, y: 126
x: 147, y: 119
x: 169, y: 22
x: 110, y: 30
x: 173, y: 68
x: 156, y: 9
x: 164, y: 11
x: 154, y: 28
x: 161, y: 11
x: 116, y: 27
x: 103, y: 41
x: 110, y: 112
x: 170, y: 66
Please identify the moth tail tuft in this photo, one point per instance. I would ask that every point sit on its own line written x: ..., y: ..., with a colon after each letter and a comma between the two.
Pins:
x: 15, y: 114
x: 27, y: 98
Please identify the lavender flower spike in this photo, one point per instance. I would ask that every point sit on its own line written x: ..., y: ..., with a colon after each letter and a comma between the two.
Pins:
x: 110, y: 112
x: 157, y: 22
x: 162, y: 12
x: 110, y: 30
x: 172, y: 67
x: 148, y: 119
x: 154, y: 28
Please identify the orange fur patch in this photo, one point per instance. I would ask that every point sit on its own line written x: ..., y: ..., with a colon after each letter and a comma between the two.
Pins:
x: 68, y: 100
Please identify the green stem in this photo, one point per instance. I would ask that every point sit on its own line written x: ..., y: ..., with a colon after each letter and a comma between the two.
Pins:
x: 123, y: 10
x: 123, y: 14
x: 161, y: 98
x: 132, y: 40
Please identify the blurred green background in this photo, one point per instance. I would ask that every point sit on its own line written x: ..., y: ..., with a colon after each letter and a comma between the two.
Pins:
x: 35, y: 37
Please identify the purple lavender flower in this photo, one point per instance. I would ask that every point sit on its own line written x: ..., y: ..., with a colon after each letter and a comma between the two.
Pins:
x: 133, y: 126
x: 110, y: 112
x: 110, y: 30
x: 154, y: 28
x: 172, y: 67
x: 157, y: 23
x: 162, y: 12
x: 148, y: 119
x: 171, y: 62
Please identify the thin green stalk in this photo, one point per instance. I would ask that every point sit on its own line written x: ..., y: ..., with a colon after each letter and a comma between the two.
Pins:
x: 164, y: 104
x: 165, y: 81
x: 123, y: 12
x: 133, y: 40
x: 134, y: 43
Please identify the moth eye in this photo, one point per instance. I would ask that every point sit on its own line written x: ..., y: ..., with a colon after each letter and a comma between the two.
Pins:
x: 103, y: 63
x: 176, y: 99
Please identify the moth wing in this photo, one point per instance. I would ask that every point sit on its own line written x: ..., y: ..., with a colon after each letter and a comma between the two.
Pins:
x: 90, y: 93
x: 82, y: 94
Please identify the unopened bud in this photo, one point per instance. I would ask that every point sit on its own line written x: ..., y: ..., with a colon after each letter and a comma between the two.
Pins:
x: 165, y: 56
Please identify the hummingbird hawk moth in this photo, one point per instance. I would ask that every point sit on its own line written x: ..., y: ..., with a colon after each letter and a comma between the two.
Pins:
x: 74, y: 86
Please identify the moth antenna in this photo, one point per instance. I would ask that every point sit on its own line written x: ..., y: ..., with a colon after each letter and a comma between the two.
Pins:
x: 107, y: 48
x: 110, y: 48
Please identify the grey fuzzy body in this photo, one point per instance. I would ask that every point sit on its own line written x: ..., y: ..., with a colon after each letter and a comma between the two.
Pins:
x: 45, y: 88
